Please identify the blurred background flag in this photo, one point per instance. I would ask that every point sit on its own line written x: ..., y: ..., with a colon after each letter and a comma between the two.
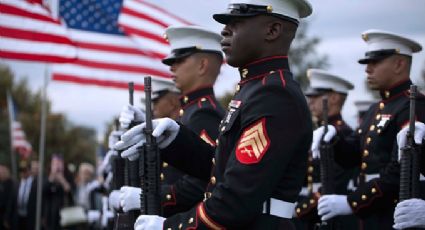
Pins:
x: 107, y: 56
x: 19, y: 141
x: 29, y: 32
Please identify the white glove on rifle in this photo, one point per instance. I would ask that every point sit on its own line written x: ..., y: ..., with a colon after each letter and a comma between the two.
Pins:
x: 106, y: 165
x: 93, y: 216
x: 114, y: 199
x: 317, y: 137
x: 165, y: 131
x: 333, y: 205
x: 410, y: 214
x: 402, y: 138
x: 130, y: 198
x: 129, y: 114
x: 149, y: 222
x: 114, y: 137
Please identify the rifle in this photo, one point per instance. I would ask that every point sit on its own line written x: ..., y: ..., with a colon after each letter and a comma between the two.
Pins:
x: 127, y: 174
x: 409, y: 163
x: 326, y: 167
x: 149, y: 161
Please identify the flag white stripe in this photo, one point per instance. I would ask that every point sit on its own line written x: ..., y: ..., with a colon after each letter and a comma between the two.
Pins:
x: 23, y: 5
x: 33, y: 47
x: 27, y: 24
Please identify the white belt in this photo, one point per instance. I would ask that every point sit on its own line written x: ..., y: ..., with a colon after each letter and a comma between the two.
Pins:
x: 376, y: 175
x: 280, y: 208
x: 304, y: 190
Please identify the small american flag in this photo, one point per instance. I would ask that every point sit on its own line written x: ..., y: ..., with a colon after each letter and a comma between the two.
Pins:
x: 19, y: 141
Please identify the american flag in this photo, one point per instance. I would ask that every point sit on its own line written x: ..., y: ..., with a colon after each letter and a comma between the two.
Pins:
x: 18, y: 139
x: 106, y: 55
x: 29, y: 32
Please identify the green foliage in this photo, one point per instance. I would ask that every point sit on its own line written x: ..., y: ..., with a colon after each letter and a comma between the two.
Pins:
x: 75, y: 143
x: 303, y: 55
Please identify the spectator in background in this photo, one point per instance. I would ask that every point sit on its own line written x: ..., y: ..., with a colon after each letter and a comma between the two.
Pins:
x: 57, y: 193
x: 27, y: 197
x: 83, y: 185
x: 7, y: 199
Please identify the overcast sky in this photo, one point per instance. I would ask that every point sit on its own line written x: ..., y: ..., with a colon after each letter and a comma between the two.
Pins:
x: 339, y: 24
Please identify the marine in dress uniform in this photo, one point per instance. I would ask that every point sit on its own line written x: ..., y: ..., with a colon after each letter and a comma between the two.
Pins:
x: 374, y: 146
x: 257, y: 169
x: 200, y: 111
x: 323, y: 83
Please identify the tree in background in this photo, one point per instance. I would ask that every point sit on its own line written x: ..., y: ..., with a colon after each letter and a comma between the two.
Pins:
x: 75, y: 143
x: 302, y: 56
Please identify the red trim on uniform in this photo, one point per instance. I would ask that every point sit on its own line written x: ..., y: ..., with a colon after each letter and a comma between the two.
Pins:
x: 253, y: 78
x: 206, y: 219
x: 265, y: 59
x: 395, y: 96
x: 253, y: 143
x: 205, y: 137
x: 372, y: 198
x: 173, y: 200
x: 407, y: 123
x: 282, y: 78
x: 191, y: 91
x: 196, y: 221
x: 211, y: 101
x: 264, y: 80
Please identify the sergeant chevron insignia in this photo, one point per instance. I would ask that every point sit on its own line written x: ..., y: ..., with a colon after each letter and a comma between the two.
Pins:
x: 253, y: 143
x: 204, y: 136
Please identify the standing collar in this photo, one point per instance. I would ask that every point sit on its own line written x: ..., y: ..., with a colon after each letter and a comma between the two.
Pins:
x: 395, y: 90
x: 196, y: 94
x: 263, y: 66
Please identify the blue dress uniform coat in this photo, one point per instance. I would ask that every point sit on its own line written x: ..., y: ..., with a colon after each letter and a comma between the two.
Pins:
x: 261, y: 153
x: 201, y: 113
x: 374, y: 148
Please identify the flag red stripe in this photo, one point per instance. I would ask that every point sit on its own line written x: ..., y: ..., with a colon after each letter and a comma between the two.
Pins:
x: 92, y: 81
x: 118, y: 49
x: 33, y: 36
x: 120, y: 67
x: 143, y: 33
x: 146, y: 17
x: 7, y: 9
x: 164, y: 11
x: 32, y: 57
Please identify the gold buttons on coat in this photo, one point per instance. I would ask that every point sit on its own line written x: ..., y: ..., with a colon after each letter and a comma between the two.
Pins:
x: 368, y: 140
x: 364, y: 197
x: 365, y: 153
x: 203, y: 99
x: 181, y: 112
x: 372, y: 127
x: 381, y: 105
x: 161, y: 176
x: 387, y: 94
x: 364, y: 166
x: 354, y: 204
x: 238, y: 87
x: 213, y: 180
x: 185, y: 99
x: 312, y: 201
x: 304, y: 205
x: 244, y: 73
x: 310, y: 169
x: 164, y: 164
x: 378, y: 116
x: 359, y: 131
x: 190, y: 220
x: 168, y: 197
x: 373, y: 190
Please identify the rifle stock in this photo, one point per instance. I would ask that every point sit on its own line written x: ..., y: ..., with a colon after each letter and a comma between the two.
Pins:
x: 150, y: 162
x: 326, y: 168
x: 409, y: 162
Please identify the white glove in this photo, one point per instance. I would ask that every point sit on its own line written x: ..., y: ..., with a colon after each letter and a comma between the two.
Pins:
x: 114, y: 137
x: 129, y: 114
x: 149, y: 222
x: 93, y: 216
x: 333, y: 205
x: 317, y: 137
x: 107, y: 214
x: 401, y: 136
x: 410, y: 214
x: 114, y: 199
x: 92, y: 186
x: 106, y: 165
x: 130, y: 198
x: 165, y: 131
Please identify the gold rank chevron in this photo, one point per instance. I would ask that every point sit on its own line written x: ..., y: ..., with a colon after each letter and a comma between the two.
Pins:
x: 254, y: 138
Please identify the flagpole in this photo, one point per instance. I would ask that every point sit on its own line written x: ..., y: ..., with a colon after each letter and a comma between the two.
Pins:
x: 41, y: 148
x: 12, y: 153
